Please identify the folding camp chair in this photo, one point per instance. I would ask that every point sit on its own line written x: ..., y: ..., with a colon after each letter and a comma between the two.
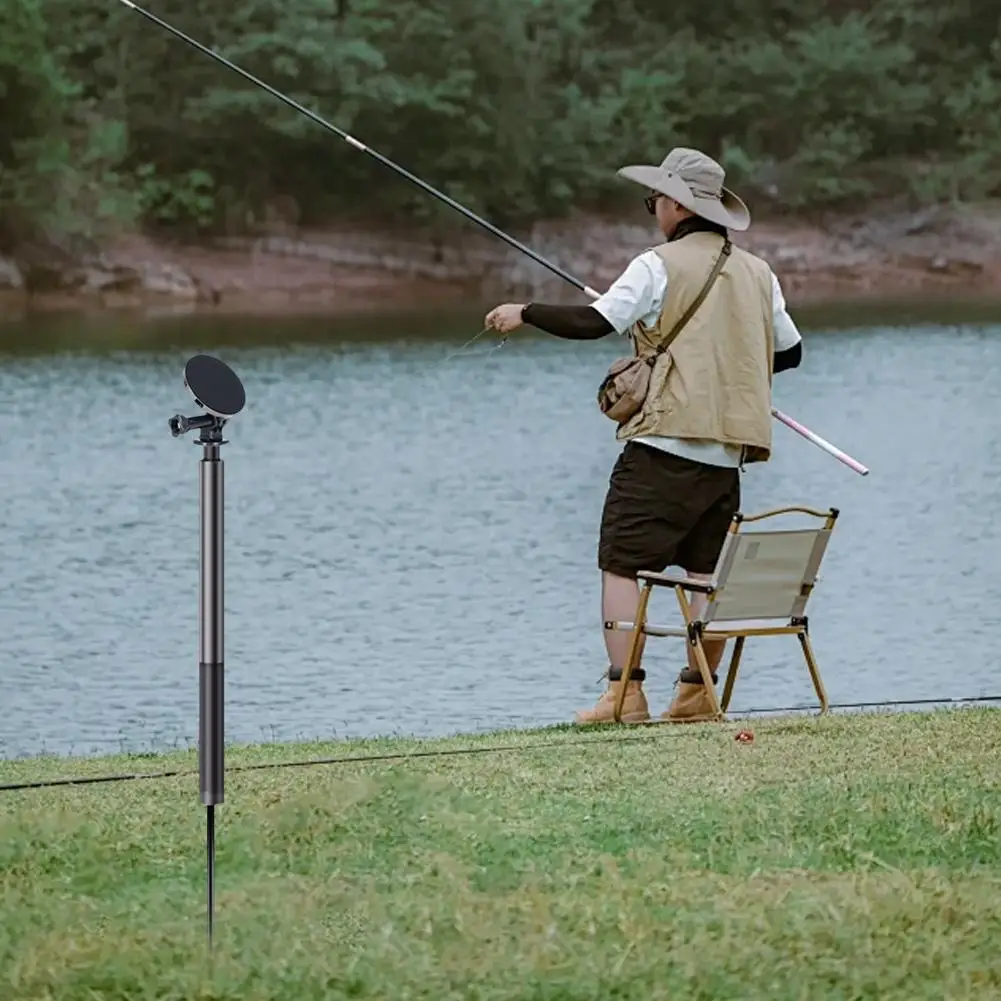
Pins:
x: 760, y: 587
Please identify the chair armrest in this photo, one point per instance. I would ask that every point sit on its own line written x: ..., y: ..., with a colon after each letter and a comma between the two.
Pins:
x: 676, y: 580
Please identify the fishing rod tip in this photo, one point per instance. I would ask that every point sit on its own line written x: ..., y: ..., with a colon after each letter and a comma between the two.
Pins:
x: 129, y: 3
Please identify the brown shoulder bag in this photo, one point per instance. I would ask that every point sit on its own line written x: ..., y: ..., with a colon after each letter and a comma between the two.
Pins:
x: 623, y: 390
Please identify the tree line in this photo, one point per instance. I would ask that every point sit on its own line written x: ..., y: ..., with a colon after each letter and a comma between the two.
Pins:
x: 520, y: 109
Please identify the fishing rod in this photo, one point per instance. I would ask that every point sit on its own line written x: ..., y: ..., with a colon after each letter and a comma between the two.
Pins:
x: 789, y: 422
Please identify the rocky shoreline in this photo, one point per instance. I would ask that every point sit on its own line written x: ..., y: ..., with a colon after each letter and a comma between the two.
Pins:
x: 936, y: 251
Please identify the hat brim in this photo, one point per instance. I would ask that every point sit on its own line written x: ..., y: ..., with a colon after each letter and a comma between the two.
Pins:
x: 729, y: 211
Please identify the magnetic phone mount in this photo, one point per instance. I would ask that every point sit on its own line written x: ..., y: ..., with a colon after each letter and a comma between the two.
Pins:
x: 217, y: 390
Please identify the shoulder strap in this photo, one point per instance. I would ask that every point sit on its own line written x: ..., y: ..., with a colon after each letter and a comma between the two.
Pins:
x: 690, y: 312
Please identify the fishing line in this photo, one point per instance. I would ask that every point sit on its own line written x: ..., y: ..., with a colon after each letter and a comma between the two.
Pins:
x: 461, y: 350
x: 657, y: 732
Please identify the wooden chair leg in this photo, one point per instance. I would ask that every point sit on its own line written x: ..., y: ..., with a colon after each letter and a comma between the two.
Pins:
x: 634, y: 650
x: 731, y: 675
x: 811, y: 663
x: 707, y: 678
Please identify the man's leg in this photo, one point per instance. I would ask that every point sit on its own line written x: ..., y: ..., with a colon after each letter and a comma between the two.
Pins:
x: 620, y: 598
x: 699, y: 553
x: 646, y: 514
x: 619, y: 603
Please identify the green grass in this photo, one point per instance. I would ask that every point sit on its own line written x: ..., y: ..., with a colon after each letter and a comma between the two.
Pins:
x: 841, y: 858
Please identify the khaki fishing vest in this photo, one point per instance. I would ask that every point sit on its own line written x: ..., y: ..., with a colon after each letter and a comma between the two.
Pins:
x: 714, y: 382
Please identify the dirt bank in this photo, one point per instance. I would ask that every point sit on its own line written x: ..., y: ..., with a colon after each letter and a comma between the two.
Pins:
x: 936, y: 251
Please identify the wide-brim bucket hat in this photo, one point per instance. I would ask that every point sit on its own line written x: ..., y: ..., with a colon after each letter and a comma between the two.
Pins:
x: 694, y: 180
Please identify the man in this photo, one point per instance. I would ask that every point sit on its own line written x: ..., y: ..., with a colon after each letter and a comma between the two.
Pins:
x: 676, y: 485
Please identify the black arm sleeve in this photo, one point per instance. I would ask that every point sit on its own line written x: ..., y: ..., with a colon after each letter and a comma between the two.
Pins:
x: 582, y: 323
x: 790, y: 358
x: 575, y: 323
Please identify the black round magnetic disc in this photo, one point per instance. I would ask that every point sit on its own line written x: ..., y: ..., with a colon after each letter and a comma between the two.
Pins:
x: 214, y: 385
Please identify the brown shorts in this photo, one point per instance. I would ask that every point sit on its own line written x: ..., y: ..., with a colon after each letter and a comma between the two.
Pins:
x: 663, y: 510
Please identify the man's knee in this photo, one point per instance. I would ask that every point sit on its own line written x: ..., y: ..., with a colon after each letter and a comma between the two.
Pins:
x: 612, y: 569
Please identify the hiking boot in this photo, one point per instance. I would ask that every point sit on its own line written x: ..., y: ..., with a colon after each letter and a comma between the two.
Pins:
x: 691, y: 700
x: 634, y: 705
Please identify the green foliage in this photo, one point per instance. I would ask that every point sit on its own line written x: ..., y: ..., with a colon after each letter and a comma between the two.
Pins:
x: 187, y: 200
x: 519, y: 110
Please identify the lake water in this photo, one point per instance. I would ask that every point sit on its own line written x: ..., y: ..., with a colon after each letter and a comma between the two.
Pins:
x: 410, y: 544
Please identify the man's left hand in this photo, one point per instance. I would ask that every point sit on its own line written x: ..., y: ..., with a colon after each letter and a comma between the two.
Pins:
x: 505, y: 318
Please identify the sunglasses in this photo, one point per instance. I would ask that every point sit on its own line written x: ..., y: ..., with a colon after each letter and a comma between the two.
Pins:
x: 651, y: 202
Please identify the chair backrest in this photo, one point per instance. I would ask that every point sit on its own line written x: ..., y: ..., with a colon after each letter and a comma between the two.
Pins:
x: 767, y: 574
